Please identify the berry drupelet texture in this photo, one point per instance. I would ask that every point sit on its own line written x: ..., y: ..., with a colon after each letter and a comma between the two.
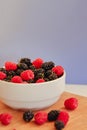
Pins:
x: 28, y: 116
x: 59, y: 125
x: 53, y: 115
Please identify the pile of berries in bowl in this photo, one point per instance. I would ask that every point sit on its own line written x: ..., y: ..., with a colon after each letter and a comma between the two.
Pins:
x: 31, y: 84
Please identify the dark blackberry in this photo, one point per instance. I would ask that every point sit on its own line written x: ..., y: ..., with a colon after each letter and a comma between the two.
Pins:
x: 18, y: 71
x: 48, y: 65
x: 48, y: 72
x: 53, y: 115
x: 26, y: 61
x: 46, y: 79
x: 52, y: 76
x: 31, y: 81
x: 59, y: 125
x: 22, y: 66
x: 28, y: 116
x: 8, y: 78
x: 32, y: 67
x: 40, y: 70
x: 3, y: 70
x: 11, y: 73
x: 39, y: 75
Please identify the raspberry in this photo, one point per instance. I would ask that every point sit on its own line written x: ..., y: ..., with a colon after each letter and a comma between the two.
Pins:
x: 71, y: 103
x: 64, y: 117
x: 53, y: 114
x: 58, y: 125
x: 58, y: 70
x: 27, y: 75
x: 28, y: 116
x: 16, y: 79
x: 40, y: 81
x: 40, y: 117
x: 5, y: 118
x: 2, y: 75
x: 37, y: 62
x: 10, y: 65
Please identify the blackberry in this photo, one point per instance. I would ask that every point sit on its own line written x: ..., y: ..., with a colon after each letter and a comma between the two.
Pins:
x: 39, y: 75
x: 28, y: 116
x: 18, y: 71
x: 30, y: 81
x: 40, y: 70
x: 11, y: 73
x: 3, y: 70
x: 48, y: 65
x: 32, y: 67
x: 22, y: 66
x: 59, y: 125
x: 53, y: 115
x: 52, y: 76
x: 26, y: 61
x: 46, y: 79
x: 48, y: 72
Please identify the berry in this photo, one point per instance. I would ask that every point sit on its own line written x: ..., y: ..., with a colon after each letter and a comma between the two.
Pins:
x: 53, y: 114
x: 5, y: 118
x: 16, y: 79
x: 58, y: 70
x: 10, y: 65
x: 26, y: 61
x: 63, y: 116
x: 40, y: 81
x: 71, y: 103
x: 27, y: 75
x: 59, y: 125
x: 37, y: 63
x: 28, y: 116
x: 52, y: 76
x: 2, y: 75
x: 23, y: 66
x: 40, y: 117
x: 48, y: 65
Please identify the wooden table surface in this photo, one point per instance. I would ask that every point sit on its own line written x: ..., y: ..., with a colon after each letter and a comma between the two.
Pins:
x: 77, y: 121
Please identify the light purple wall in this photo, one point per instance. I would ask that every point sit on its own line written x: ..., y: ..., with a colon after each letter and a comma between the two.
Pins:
x: 51, y: 29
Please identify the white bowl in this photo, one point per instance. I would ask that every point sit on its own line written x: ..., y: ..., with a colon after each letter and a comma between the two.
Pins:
x: 34, y: 96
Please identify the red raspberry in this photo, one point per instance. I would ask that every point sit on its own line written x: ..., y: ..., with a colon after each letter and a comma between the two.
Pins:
x: 2, y: 75
x: 27, y: 75
x: 59, y: 70
x: 71, y: 103
x: 10, y: 65
x: 5, y: 118
x: 63, y: 116
x: 40, y: 117
x: 40, y: 81
x: 37, y: 63
x: 16, y: 79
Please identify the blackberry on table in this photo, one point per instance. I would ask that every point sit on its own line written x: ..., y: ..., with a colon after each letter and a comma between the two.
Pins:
x: 28, y: 116
x: 26, y: 61
x: 53, y: 115
x: 22, y: 66
x: 48, y: 65
x: 59, y: 125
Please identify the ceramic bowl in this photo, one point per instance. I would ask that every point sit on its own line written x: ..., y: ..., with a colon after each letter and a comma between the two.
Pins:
x: 34, y: 96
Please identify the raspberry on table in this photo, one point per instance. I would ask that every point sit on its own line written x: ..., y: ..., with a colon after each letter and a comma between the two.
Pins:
x: 37, y: 62
x: 16, y: 79
x: 59, y: 70
x: 53, y: 115
x: 63, y: 116
x: 2, y: 75
x: 5, y: 118
x: 10, y: 65
x: 28, y: 116
x: 40, y: 117
x: 59, y: 125
x: 71, y: 103
x: 40, y: 80
x: 27, y: 75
